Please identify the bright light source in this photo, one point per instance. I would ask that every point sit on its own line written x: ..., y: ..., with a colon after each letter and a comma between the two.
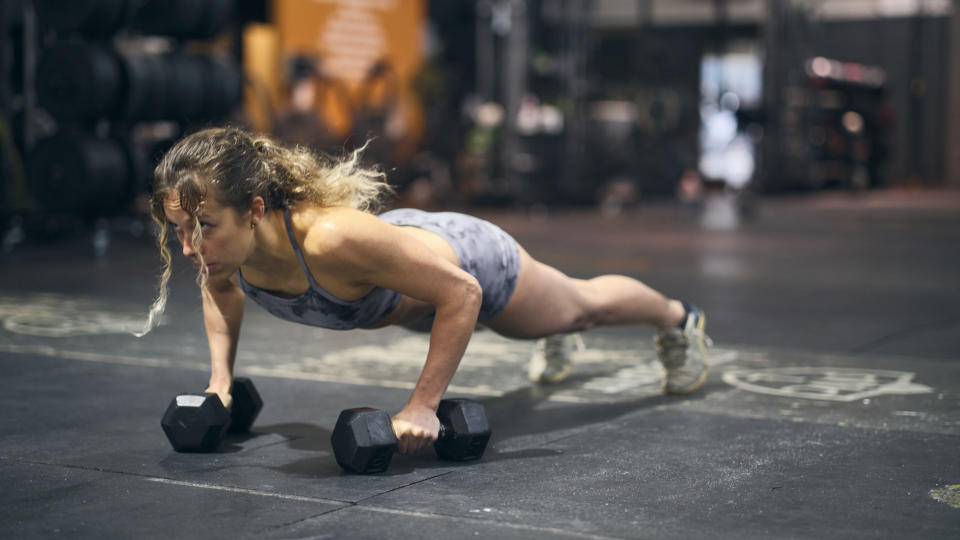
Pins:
x: 820, y: 67
x: 852, y: 122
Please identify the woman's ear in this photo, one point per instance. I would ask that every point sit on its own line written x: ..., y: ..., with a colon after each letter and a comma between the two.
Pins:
x: 257, y: 209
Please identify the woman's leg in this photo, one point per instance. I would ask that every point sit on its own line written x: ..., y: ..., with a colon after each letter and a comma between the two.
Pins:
x: 546, y: 302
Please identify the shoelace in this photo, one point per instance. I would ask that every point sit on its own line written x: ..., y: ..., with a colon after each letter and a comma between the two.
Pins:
x: 558, y: 347
x: 673, y: 345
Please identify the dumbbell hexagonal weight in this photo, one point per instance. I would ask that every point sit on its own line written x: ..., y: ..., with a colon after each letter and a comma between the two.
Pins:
x: 246, y: 405
x: 195, y: 422
x: 363, y: 439
x: 198, y: 422
x: 464, y: 430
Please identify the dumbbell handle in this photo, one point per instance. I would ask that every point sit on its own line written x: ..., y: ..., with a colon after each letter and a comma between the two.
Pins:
x: 444, y: 433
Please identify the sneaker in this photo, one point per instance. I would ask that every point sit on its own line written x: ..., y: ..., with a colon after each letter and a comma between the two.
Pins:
x: 552, y: 360
x: 683, y: 353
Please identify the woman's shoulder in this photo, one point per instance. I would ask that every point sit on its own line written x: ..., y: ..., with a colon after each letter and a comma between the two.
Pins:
x: 327, y: 229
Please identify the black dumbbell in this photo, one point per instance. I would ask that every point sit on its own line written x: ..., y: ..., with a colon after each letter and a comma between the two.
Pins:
x: 246, y: 405
x: 363, y: 439
x: 198, y: 422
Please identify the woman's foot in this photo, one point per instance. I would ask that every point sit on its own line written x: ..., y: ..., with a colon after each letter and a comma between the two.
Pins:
x: 552, y: 360
x: 683, y: 353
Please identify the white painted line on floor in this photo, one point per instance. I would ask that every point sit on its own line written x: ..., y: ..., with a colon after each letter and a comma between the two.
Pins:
x: 326, y: 377
x: 393, y: 511
x: 255, y: 370
x: 825, y: 383
x: 485, y: 511
x: 243, y: 491
x: 44, y: 350
x: 723, y: 357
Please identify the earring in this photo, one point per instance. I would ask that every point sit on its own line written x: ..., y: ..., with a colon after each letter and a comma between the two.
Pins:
x: 253, y: 225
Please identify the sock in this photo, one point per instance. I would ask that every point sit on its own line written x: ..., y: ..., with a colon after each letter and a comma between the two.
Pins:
x: 687, y: 308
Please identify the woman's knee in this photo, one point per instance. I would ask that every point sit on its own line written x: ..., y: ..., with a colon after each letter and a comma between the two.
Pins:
x: 538, y: 327
x: 583, y: 321
x: 590, y: 311
x: 546, y: 301
x: 534, y: 317
x: 580, y: 312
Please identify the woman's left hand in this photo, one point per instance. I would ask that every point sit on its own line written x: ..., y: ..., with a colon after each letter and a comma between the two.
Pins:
x: 416, y: 428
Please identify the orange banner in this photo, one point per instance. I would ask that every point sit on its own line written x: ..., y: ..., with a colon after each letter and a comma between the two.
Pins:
x: 372, y: 48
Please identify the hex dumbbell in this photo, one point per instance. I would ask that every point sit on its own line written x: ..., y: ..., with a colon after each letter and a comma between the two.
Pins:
x: 198, y: 422
x: 363, y: 439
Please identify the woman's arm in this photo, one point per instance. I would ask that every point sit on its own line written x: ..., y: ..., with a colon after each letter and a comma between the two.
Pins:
x: 417, y: 426
x: 372, y: 252
x: 222, y: 316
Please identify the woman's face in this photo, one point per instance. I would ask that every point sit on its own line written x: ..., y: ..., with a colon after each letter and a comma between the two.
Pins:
x: 227, y: 236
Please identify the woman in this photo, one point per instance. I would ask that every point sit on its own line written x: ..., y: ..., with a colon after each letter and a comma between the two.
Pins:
x: 295, y: 234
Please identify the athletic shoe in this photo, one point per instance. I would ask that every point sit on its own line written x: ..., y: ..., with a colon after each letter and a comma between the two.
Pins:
x: 683, y: 353
x: 552, y: 360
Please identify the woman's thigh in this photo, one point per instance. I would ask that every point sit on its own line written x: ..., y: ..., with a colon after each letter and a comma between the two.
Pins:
x: 545, y: 301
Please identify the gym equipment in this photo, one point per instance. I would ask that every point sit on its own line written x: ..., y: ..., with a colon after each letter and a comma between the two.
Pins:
x: 184, y: 19
x: 83, y: 81
x: 195, y: 422
x: 76, y: 172
x: 198, y: 422
x: 363, y: 439
x: 79, y: 80
x: 187, y: 19
x: 93, y: 17
x: 246, y: 405
x: 464, y: 430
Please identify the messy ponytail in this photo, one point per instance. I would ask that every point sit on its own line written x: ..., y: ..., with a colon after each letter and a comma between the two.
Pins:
x: 234, y: 166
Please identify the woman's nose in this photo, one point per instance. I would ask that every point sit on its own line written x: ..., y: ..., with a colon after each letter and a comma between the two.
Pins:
x: 185, y: 242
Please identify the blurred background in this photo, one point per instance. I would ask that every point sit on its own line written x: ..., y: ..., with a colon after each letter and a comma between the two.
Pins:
x: 523, y: 104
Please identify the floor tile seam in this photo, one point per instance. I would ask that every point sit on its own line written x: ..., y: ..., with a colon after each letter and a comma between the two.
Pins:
x: 182, y: 483
x: 891, y: 337
x: 411, y: 484
x: 574, y: 433
x: 278, y: 528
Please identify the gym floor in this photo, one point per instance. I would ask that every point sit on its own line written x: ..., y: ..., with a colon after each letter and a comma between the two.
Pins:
x: 832, y: 410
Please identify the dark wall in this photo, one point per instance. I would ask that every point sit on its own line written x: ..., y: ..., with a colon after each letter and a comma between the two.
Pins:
x: 652, y: 67
x: 914, y: 53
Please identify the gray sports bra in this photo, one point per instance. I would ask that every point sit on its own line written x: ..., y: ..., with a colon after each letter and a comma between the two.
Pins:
x: 317, y: 307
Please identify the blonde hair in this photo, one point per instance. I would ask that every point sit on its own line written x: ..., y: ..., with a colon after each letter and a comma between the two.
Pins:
x: 234, y: 166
